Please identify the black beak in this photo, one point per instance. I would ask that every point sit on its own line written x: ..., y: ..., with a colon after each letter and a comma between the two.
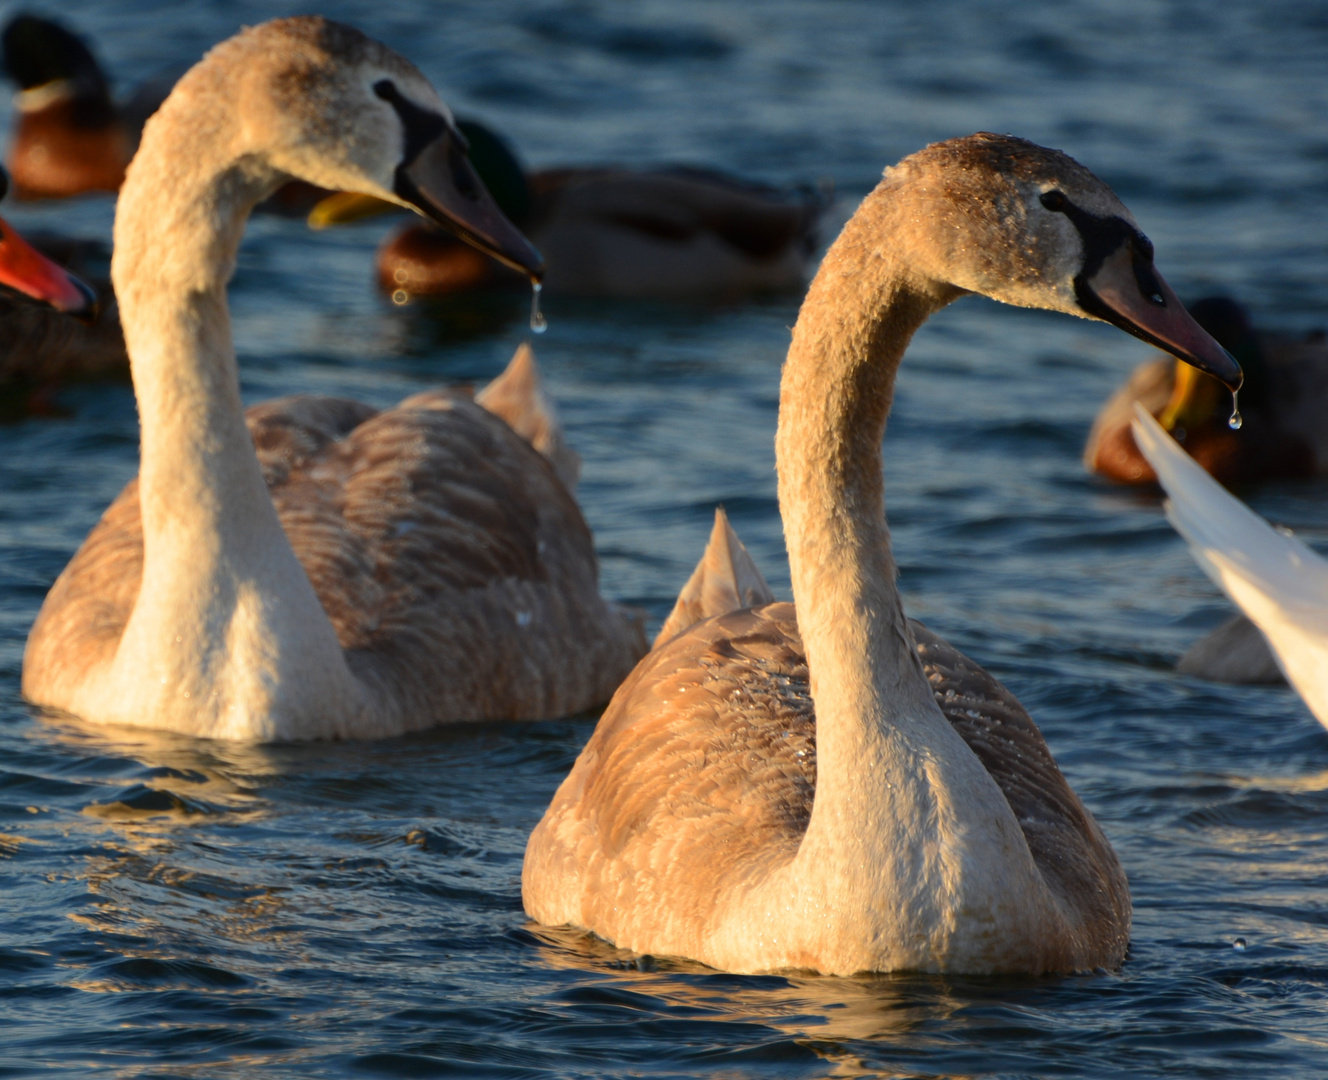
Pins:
x: 443, y: 185
x: 1128, y: 292
x: 435, y: 176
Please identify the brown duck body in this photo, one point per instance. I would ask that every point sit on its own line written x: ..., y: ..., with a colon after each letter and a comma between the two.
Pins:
x: 1283, y: 433
x: 67, y: 147
x: 41, y: 347
x: 630, y: 234
x: 69, y: 135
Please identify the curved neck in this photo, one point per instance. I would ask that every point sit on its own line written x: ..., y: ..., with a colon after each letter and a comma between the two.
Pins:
x: 838, y: 384
x: 227, y: 637
x: 878, y: 727
x: 179, y: 222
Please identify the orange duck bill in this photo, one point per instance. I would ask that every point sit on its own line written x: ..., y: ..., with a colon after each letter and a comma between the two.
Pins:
x: 28, y: 271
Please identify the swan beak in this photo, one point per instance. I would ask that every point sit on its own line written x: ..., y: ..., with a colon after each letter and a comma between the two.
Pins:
x: 442, y: 185
x: 1128, y: 292
x: 26, y: 270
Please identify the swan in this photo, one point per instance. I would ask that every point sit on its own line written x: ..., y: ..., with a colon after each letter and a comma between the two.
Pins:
x: 670, y: 233
x: 1276, y: 580
x: 776, y: 790
x: 364, y: 573
x: 1282, y: 402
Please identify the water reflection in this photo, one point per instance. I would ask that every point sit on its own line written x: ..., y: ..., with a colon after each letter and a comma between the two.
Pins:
x: 843, y: 1021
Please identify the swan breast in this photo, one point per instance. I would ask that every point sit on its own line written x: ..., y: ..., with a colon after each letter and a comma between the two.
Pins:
x: 702, y: 774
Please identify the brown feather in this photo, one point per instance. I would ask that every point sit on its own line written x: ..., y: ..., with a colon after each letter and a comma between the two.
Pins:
x: 457, y: 570
x: 714, y: 734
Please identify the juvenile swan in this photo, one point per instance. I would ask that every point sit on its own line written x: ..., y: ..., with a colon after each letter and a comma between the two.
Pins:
x: 764, y: 793
x: 420, y: 566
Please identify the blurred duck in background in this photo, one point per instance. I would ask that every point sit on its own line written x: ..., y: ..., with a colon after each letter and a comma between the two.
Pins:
x: 25, y: 271
x: 1277, y: 581
x: 70, y: 136
x: 1282, y: 405
x: 667, y: 233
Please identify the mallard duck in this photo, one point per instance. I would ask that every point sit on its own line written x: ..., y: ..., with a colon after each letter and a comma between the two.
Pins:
x: 1282, y: 405
x: 662, y: 233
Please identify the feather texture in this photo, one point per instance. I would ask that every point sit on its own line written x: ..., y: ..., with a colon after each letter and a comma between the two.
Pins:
x: 1274, y: 578
x: 455, y: 567
x: 706, y: 762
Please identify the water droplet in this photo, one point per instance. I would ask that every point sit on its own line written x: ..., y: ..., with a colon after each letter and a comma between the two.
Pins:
x: 1236, y: 419
x: 538, y: 323
x: 1239, y: 944
x: 400, y: 297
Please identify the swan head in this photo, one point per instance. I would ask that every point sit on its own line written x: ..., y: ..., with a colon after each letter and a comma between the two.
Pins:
x: 1032, y: 227
x: 319, y: 101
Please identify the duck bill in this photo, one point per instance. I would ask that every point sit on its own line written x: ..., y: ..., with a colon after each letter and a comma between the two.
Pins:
x: 26, y: 270
x: 345, y: 207
x: 442, y: 185
x: 1126, y: 291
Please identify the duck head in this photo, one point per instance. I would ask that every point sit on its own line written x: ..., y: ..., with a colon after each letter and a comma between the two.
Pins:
x: 1052, y: 236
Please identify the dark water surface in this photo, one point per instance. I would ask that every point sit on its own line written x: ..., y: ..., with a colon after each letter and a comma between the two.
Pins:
x: 170, y: 907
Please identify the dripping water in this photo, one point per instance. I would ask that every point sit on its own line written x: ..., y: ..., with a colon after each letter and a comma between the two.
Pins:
x: 538, y: 323
x: 1236, y: 420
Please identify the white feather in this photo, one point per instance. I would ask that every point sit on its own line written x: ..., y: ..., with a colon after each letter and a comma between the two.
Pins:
x: 1270, y: 575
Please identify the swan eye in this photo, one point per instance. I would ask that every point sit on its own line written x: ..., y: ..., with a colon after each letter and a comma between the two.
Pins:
x: 1054, y: 200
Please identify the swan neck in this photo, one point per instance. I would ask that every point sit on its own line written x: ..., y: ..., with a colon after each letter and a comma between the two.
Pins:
x: 179, y: 222
x: 874, y: 706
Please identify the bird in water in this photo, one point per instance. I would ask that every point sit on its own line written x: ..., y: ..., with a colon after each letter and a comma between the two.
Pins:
x: 315, y: 567
x: 831, y: 787
x: 42, y: 347
x: 664, y: 233
x: 71, y: 136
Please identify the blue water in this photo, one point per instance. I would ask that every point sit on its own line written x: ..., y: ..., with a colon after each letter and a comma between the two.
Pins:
x: 178, y: 908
